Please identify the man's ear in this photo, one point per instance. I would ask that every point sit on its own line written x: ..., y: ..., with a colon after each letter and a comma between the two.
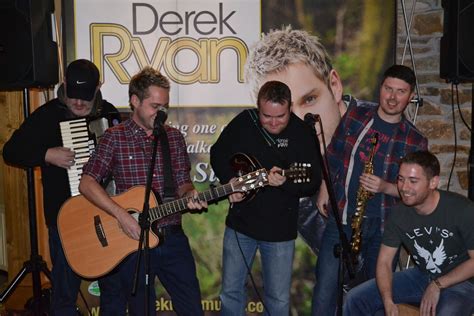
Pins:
x: 434, y: 182
x: 134, y: 100
x: 97, y: 88
x: 412, y: 96
x: 335, y: 84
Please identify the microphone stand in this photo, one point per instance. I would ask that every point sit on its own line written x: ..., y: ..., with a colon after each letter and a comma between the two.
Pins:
x: 342, y: 251
x: 143, y: 244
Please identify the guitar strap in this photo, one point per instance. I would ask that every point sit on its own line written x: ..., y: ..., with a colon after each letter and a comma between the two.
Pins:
x: 266, y: 136
x: 169, y: 190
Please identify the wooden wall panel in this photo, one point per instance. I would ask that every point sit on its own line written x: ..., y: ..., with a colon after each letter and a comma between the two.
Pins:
x: 15, y: 193
x: 15, y: 199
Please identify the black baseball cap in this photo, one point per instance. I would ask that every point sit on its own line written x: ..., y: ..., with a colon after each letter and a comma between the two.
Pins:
x: 82, y: 78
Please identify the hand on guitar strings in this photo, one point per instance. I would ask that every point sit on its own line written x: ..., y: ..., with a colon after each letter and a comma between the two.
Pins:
x: 275, y: 177
x: 195, y: 205
x: 128, y: 225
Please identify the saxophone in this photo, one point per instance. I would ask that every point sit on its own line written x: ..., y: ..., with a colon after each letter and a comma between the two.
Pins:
x: 363, y: 197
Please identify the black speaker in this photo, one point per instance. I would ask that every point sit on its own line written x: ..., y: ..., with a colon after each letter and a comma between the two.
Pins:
x: 457, y: 44
x: 28, y: 54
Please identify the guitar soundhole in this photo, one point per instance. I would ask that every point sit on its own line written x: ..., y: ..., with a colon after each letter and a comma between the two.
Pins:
x: 242, y: 164
x: 241, y: 169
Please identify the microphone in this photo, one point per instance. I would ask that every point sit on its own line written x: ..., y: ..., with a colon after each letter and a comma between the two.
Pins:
x: 160, y: 117
x: 311, y: 118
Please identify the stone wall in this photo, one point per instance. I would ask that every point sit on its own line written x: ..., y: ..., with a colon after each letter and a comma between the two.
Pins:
x: 435, y: 117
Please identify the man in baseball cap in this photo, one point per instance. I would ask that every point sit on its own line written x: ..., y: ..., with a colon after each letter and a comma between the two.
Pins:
x: 81, y: 83
x: 38, y: 143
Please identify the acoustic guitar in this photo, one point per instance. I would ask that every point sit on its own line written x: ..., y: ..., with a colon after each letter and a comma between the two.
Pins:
x: 92, y: 240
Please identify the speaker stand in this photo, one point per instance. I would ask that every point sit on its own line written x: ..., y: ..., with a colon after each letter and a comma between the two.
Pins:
x: 36, y: 264
x: 417, y: 101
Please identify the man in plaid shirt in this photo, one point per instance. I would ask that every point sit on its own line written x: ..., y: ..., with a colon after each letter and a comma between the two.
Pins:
x: 347, y: 155
x: 125, y: 152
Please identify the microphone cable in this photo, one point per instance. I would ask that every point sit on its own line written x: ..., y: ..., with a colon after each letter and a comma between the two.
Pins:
x: 249, y: 272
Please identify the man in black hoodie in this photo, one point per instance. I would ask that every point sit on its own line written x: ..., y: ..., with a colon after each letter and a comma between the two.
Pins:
x: 38, y: 143
x: 275, y: 137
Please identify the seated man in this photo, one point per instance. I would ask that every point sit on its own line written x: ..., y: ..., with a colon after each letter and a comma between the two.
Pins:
x: 436, y: 227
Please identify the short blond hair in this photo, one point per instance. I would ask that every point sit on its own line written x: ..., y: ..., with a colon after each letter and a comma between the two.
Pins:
x: 280, y: 48
x: 141, y: 81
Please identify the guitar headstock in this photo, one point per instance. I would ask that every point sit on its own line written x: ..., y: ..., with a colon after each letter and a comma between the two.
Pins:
x: 299, y: 172
x: 251, y: 181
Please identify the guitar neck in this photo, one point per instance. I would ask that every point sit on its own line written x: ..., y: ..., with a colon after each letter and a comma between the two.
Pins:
x: 180, y: 205
x: 246, y: 183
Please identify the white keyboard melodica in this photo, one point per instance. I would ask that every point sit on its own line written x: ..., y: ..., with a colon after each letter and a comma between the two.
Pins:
x: 80, y: 136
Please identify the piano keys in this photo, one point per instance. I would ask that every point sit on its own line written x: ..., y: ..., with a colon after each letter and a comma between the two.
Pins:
x: 81, y: 136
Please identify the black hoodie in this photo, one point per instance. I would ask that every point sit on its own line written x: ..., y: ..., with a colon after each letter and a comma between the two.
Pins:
x: 40, y: 131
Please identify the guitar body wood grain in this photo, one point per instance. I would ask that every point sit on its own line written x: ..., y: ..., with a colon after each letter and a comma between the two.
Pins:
x: 83, y: 250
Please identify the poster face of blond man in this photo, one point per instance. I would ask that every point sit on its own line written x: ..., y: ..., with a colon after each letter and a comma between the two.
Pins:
x: 299, y: 60
x: 311, y: 95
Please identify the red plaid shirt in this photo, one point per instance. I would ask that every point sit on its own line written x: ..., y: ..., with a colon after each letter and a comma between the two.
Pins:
x: 125, y: 153
x: 406, y: 139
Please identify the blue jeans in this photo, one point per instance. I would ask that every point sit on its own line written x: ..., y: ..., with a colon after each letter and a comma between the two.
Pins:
x: 173, y: 264
x: 408, y: 287
x: 66, y: 284
x: 311, y: 223
x: 112, y: 299
x: 325, y: 290
x: 277, y: 264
